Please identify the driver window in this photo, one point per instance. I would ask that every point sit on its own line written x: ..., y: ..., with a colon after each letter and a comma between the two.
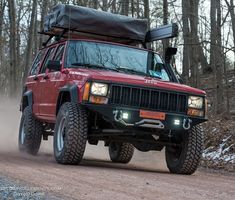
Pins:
x: 49, y: 56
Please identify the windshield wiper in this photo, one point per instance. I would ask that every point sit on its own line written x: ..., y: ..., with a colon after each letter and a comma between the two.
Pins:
x: 89, y: 65
x: 130, y: 70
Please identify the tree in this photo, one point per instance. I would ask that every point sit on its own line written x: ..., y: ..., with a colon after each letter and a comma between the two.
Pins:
x: 29, y: 47
x: 146, y: 11
x: 12, y: 50
x: 165, y: 21
x: 216, y: 54
x: 125, y: 7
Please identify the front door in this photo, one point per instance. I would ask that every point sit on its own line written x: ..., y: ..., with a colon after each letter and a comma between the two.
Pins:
x: 50, y: 83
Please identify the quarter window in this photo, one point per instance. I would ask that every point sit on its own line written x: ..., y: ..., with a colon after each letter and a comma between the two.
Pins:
x: 37, y: 62
x: 59, y: 53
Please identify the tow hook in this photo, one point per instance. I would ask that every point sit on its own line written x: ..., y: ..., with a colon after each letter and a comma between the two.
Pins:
x: 117, y: 115
x: 187, y: 123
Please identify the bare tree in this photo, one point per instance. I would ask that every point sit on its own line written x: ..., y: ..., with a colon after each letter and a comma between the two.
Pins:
x: 13, y: 53
x: 125, y: 7
x: 146, y: 11
x: 165, y: 21
x: 29, y: 47
x: 216, y: 55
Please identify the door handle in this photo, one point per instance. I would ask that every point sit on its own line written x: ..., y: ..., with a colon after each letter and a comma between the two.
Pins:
x: 46, y: 77
x: 35, y: 78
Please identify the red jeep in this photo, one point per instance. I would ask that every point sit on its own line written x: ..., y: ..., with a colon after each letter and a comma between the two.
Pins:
x: 80, y: 89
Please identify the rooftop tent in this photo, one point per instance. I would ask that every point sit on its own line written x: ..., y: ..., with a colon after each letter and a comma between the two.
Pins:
x: 91, y: 22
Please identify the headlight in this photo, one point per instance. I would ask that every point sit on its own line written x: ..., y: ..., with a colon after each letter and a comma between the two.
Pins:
x: 195, y: 102
x: 100, y: 89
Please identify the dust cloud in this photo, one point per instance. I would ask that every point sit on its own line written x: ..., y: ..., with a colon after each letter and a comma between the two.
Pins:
x: 9, y: 127
x: 9, y: 124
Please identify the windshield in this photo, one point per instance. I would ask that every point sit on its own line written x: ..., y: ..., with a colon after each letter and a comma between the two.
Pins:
x: 115, y: 57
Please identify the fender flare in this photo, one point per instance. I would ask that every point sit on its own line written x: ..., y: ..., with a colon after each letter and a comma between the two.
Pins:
x: 72, y: 90
x: 27, y: 100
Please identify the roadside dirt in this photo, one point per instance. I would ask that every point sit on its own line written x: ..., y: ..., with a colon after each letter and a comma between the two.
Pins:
x: 146, y: 177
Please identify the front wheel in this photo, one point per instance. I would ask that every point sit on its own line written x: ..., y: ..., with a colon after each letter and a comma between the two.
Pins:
x: 30, y: 133
x: 185, y: 158
x: 70, y: 134
x: 121, y: 152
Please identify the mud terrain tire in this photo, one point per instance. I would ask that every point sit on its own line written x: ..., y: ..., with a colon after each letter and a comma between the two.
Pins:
x: 70, y: 134
x: 185, y: 159
x: 30, y: 133
x: 121, y: 152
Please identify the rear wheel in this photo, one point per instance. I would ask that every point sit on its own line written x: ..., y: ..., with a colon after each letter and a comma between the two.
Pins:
x: 121, y: 152
x: 185, y: 158
x: 70, y: 134
x: 30, y: 133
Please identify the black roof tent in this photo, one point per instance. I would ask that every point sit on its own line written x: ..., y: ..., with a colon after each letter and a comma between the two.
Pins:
x: 93, y: 22
x: 69, y: 21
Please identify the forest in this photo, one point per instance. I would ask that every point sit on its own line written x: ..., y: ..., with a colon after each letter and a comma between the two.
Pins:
x: 206, y: 45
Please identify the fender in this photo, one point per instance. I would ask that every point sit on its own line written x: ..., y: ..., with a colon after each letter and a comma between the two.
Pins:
x: 67, y: 93
x: 27, y: 100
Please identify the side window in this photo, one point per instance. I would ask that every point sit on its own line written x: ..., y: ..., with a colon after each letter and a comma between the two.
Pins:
x: 49, y: 56
x: 59, y: 53
x: 37, y: 62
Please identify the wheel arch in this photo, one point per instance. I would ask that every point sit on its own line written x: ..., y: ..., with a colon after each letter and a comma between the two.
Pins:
x: 68, y: 93
x: 27, y: 100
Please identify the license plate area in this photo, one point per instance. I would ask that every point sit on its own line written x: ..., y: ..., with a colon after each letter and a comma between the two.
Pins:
x: 152, y: 115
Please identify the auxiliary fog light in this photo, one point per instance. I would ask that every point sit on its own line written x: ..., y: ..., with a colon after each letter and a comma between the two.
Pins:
x: 177, y: 122
x: 125, y: 115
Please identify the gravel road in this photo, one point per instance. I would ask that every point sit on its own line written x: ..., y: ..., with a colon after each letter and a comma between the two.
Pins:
x: 146, y: 177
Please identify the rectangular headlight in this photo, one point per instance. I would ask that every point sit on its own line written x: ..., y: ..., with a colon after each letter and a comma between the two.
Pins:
x: 100, y: 89
x: 195, y: 102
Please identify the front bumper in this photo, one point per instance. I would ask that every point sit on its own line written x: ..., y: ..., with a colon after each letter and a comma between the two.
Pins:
x: 172, y: 121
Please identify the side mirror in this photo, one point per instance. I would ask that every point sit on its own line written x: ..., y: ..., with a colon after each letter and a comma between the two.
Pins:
x: 53, y: 65
x: 170, y: 51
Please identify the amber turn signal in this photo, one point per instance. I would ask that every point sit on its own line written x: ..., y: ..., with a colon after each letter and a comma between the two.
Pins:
x: 195, y: 112
x: 98, y: 99
x: 86, y: 92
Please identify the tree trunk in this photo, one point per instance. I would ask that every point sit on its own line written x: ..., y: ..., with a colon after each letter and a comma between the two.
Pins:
x: 216, y: 55
x: 232, y: 14
x: 43, y: 14
x: 219, y: 61
x: 13, y: 55
x: 165, y: 42
x: 28, y: 58
x: 125, y: 7
x: 146, y: 11
x: 2, y: 9
x: 105, y: 5
x: 186, y: 49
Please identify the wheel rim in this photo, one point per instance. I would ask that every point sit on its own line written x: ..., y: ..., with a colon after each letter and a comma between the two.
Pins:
x: 22, y: 133
x: 61, y: 135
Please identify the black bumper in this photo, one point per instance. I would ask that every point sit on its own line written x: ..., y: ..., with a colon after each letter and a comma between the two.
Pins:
x: 134, y: 120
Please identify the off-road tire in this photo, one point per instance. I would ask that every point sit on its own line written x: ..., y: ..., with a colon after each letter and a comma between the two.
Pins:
x: 190, y: 154
x: 75, y: 134
x: 32, y: 130
x: 121, y: 152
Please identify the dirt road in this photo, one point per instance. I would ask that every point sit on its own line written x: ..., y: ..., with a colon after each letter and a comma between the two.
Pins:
x: 146, y: 177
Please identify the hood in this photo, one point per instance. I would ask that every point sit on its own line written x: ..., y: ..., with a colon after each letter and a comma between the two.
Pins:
x: 132, y: 79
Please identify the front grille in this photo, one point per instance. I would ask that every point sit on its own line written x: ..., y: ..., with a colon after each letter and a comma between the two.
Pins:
x: 148, y: 98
